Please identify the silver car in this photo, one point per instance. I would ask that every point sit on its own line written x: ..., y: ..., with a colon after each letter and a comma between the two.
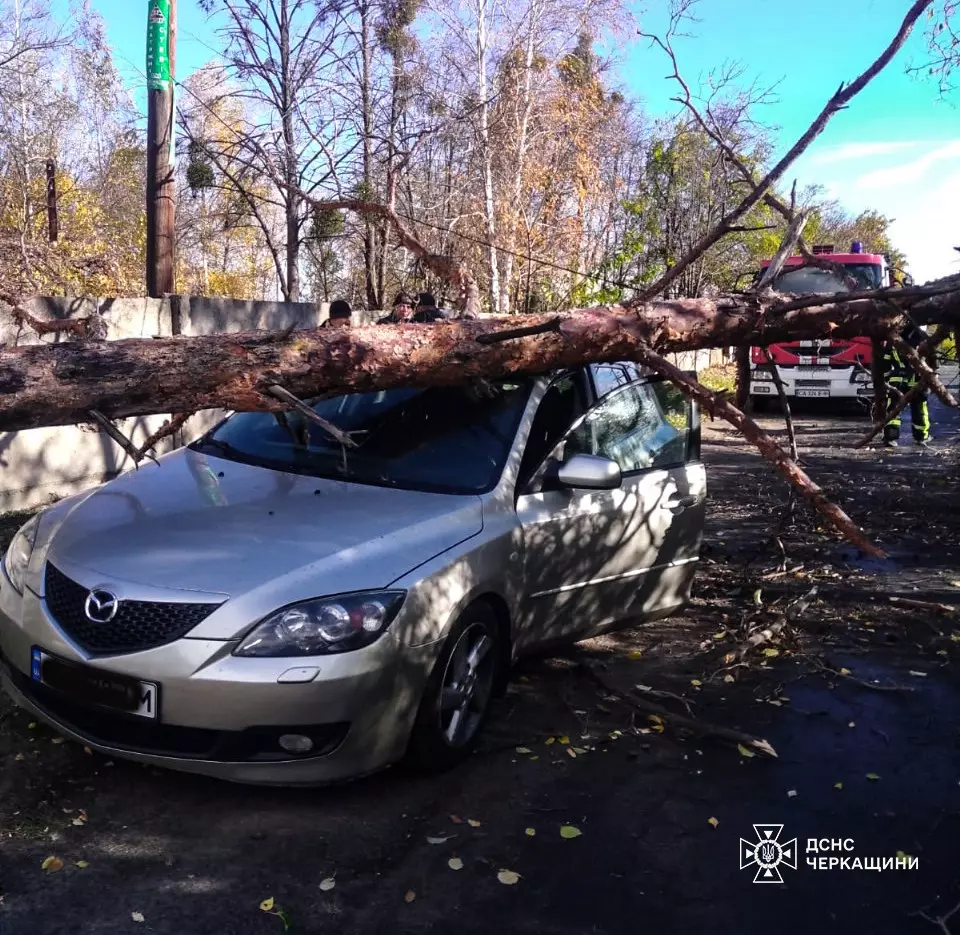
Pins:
x: 268, y: 606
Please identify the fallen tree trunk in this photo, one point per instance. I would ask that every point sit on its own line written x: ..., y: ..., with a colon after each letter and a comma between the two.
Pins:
x: 58, y: 384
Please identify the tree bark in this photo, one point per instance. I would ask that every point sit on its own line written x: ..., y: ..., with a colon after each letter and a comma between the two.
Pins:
x: 57, y: 384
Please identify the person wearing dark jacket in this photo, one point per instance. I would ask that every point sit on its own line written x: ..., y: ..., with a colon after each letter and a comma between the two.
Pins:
x: 900, y: 376
x: 427, y: 308
x: 408, y: 309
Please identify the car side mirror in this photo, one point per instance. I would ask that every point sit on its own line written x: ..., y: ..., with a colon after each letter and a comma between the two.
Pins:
x: 589, y: 472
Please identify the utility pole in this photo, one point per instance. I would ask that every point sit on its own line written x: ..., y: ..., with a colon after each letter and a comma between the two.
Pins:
x: 161, y: 190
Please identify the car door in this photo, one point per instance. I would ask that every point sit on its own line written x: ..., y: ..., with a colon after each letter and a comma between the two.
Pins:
x: 593, y: 559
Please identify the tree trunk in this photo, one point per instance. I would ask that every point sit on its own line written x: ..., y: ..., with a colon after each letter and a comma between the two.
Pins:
x: 291, y: 199
x: 58, y: 384
x: 489, y: 201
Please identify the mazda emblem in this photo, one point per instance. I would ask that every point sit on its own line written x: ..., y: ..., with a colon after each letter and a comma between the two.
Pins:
x: 101, y: 606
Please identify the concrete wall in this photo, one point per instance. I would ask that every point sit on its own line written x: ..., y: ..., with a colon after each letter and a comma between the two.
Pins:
x: 40, y: 465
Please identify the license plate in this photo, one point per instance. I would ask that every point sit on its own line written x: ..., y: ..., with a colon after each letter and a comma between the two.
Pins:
x: 817, y: 393
x: 95, y: 686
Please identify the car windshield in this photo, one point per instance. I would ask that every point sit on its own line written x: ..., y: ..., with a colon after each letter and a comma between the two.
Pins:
x: 442, y: 439
x: 810, y: 279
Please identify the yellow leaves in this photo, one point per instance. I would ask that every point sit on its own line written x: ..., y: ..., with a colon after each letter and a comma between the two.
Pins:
x: 508, y: 877
x: 409, y: 896
x: 267, y: 905
x: 564, y: 739
x: 530, y: 832
x: 844, y: 671
x: 570, y: 831
x: 656, y: 723
x: 523, y: 750
x: 81, y: 864
x: 770, y: 652
x: 745, y: 751
x: 473, y: 823
x: 52, y: 865
x: 873, y: 777
x: 838, y: 785
x: 720, y: 635
x: 713, y: 822
x: 550, y: 740
x: 327, y: 884
x: 635, y: 654
x: 955, y: 637
x: 455, y: 863
x: 696, y: 683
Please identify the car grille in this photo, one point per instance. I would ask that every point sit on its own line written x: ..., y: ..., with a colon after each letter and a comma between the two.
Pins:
x: 137, y: 625
x: 812, y: 383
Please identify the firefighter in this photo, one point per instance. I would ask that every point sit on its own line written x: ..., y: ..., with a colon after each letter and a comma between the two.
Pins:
x: 900, y: 376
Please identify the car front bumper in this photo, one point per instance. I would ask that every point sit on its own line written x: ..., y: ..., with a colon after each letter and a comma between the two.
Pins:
x: 220, y: 714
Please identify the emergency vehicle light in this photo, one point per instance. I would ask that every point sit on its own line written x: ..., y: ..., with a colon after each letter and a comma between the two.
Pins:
x: 856, y: 247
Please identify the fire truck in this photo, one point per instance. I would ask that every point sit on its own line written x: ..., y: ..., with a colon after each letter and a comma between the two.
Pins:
x: 826, y: 368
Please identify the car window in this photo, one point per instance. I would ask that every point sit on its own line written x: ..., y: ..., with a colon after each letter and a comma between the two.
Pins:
x: 561, y: 406
x: 443, y: 439
x: 610, y: 377
x: 643, y: 426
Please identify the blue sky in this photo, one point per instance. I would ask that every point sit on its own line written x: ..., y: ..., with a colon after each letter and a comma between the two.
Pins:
x: 896, y: 149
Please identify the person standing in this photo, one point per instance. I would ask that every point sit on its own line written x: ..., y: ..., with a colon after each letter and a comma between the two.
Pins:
x: 900, y: 376
x: 340, y: 315
x: 403, y: 306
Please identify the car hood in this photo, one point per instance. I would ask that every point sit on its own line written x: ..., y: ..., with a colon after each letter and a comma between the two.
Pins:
x: 262, y: 538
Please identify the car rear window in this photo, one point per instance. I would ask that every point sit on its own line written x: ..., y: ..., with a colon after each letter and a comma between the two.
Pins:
x: 443, y: 439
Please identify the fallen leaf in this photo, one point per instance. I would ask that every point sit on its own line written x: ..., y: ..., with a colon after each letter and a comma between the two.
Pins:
x: 921, y: 675
x: 523, y: 749
x: 327, y: 884
x: 729, y: 659
x: 455, y: 863
x: 745, y: 751
x: 757, y: 599
x: 728, y: 678
x: 955, y: 637
x: 578, y: 750
x: 438, y: 839
x: 82, y: 864
x: 844, y: 671
x: 838, y: 785
x: 32, y: 725
x: 852, y: 724
x: 19, y: 757
x: 550, y: 740
x: 713, y: 822
x: 720, y: 635
x: 473, y: 822
x: 942, y: 652
x: 770, y: 652
x: 409, y: 896
x: 530, y: 832
x: 570, y: 831
x: 88, y: 751
x: 267, y: 905
x: 508, y: 877
x: 137, y: 917
x: 635, y: 654
x: 872, y: 776
x: 564, y: 739
x: 57, y: 740
x: 571, y: 752
x: 791, y: 793
x: 52, y: 865
x: 534, y: 757
x: 456, y: 819
x: 696, y: 683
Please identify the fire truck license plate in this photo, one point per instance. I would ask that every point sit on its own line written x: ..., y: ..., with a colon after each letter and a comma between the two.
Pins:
x: 817, y: 393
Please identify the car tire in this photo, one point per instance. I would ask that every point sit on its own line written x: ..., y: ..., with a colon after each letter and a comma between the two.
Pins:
x: 759, y: 404
x: 457, y: 699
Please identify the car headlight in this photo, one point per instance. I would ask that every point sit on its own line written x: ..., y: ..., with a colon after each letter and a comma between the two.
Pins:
x: 18, y: 554
x: 324, y: 625
x: 761, y: 375
x: 861, y: 376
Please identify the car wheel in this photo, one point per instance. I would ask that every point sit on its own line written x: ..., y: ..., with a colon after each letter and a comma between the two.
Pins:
x: 457, y: 699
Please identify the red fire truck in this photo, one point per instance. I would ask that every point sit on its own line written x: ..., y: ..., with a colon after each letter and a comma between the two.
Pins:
x: 825, y: 368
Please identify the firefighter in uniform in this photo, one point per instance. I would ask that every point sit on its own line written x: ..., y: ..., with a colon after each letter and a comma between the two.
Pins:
x: 901, y: 377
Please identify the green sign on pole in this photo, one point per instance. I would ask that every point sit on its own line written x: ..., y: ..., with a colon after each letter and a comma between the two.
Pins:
x: 158, y: 45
